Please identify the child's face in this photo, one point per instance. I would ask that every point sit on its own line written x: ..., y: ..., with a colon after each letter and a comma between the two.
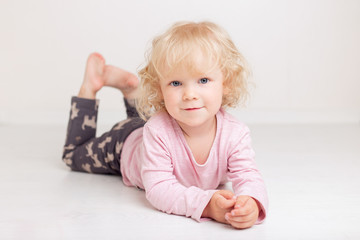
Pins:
x: 193, y: 99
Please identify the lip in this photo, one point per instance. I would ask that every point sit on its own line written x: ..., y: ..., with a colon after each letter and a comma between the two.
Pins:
x: 192, y: 109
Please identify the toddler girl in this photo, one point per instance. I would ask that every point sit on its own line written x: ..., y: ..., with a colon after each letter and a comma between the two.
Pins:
x: 184, y: 144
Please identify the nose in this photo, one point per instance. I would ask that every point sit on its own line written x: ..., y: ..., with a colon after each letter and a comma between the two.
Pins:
x: 190, y: 93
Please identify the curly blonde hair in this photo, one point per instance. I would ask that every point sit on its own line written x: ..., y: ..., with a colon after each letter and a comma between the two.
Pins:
x: 176, y: 48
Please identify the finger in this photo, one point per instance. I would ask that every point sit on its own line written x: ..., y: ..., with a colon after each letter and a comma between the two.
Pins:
x: 242, y: 225
x: 242, y: 211
x: 242, y: 218
x: 223, y: 203
x: 241, y: 201
x: 226, y: 194
x: 250, y: 206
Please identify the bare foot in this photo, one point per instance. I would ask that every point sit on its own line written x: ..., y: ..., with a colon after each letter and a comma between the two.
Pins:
x: 94, y: 76
x: 125, y: 81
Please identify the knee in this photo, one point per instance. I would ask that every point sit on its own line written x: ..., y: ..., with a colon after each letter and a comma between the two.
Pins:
x: 68, y: 159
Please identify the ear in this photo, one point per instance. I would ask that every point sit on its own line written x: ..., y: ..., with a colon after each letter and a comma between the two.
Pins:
x: 160, y: 96
x: 226, y: 89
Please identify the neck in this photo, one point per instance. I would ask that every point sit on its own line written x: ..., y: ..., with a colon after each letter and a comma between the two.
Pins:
x: 205, y: 129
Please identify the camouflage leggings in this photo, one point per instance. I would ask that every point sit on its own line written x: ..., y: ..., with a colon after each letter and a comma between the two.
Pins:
x: 83, y: 151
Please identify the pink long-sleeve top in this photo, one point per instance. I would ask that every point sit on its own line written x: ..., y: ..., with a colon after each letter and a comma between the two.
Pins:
x: 158, y: 159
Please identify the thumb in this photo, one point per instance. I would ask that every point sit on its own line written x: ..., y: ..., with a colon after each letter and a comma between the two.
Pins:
x: 224, y: 203
x: 226, y: 194
x: 241, y: 201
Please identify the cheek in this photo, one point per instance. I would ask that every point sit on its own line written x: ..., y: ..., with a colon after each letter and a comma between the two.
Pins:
x: 218, y: 92
x: 216, y: 96
x: 165, y: 96
x: 169, y: 98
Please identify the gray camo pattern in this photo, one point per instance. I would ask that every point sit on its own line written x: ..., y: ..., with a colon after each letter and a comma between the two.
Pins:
x: 85, y: 152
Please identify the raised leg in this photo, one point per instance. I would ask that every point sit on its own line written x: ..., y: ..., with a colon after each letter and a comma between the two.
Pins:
x: 83, y: 151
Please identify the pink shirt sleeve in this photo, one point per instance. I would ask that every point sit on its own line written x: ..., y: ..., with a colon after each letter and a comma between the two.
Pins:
x: 243, y: 173
x: 163, y: 190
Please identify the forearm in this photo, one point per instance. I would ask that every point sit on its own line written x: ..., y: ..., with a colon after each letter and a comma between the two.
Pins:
x: 178, y: 199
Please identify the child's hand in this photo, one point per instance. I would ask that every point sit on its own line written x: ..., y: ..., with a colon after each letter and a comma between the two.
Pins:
x: 221, y: 202
x: 244, y: 214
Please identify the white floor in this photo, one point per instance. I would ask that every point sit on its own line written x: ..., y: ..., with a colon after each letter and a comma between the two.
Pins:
x: 312, y: 173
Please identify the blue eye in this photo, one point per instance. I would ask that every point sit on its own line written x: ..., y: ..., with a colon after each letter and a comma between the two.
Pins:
x: 175, y: 83
x: 203, y: 80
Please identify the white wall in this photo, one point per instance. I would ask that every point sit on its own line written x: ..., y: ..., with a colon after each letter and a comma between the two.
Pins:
x: 305, y: 54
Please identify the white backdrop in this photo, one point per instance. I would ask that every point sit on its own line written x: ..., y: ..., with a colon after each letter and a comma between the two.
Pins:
x: 304, y: 54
